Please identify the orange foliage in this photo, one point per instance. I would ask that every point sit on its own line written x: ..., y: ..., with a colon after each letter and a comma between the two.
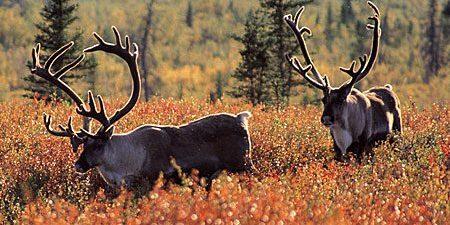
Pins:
x: 408, y: 183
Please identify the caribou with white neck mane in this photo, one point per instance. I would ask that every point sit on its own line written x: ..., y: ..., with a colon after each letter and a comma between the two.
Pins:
x: 210, y: 144
x: 356, y: 119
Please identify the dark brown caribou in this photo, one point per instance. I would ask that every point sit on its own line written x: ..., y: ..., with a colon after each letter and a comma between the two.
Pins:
x: 210, y: 144
x: 357, y: 120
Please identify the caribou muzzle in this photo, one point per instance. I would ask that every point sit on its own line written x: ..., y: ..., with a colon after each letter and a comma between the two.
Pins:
x: 327, y: 120
x: 81, y: 167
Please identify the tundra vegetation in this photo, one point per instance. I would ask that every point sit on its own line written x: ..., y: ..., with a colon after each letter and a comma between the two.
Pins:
x: 408, y: 183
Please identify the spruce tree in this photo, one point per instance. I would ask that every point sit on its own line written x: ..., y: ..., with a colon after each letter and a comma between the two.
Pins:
x: 180, y: 91
x: 445, y: 30
x: 55, y: 31
x: 190, y: 15
x: 280, y: 41
x: 412, y: 55
x: 219, y: 86
x: 218, y: 9
x: 431, y: 46
x: 251, y: 73
x: 385, y: 38
x: 148, y: 63
x: 329, y: 37
x: 359, y: 44
x: 347, y: 13
x: 217, y: 95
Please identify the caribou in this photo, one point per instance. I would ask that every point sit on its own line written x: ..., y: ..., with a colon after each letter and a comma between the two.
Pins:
x: 357, y: 120
x: 210, y: 144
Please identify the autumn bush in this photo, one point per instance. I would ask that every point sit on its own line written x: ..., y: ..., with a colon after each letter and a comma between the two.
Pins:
x: 406, y: 184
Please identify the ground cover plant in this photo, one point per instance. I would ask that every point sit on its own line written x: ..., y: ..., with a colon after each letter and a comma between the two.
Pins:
x: 407, y: 183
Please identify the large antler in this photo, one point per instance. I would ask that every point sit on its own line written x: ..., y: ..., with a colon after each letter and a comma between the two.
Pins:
x: 366, y: 65
x: 293, y: 24
x: 55, y: 78
x: 131, y: 59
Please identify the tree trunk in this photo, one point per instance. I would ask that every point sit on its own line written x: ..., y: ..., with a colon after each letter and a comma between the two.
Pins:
x: 148, y: 91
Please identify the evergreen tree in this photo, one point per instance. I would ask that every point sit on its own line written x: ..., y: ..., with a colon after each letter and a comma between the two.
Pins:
x: 431, y: 47
x: 385, y: 38
x: 329, y: 37
x: 280, y: 41
x: 180, y: 91
x: 190, y: 15
x: 412, y: 49
x: 219, y: 86
x: 446, y: 10
x: 217, y: 95
x: 410, y: 27
x: 218, y: 9
x: 251, y: 73
x: 359, y: 45
x: 347, y: 13
x: 149, y: 79
x: 56, y: 31
x: 445, y: 28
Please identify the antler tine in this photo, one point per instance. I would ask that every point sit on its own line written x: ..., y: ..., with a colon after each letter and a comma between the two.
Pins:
x: 35, y: 55
x: 117, y: 36
x: 297, y: 66
x: 102, y: 44
x: 45, y: 73
x: 295, y: 63
x: 136, y: 49
x: 92, y: 112
x: 298, y: 14
x: 294, y: 25
x: 48, y: 126
x: 327, y: 82
x: 366, y: 63
x: 116, y: 48
x: 99, y: 39
x: 125, y: 53
x: 127, y: 43
x: 91, y: 102
x: 350, y: 70
x: 376, y: 21
x: 69, y: 129
x: 53, y: 57
x: 297, y: 20
x: 375, y: 8
x: 68, y: 67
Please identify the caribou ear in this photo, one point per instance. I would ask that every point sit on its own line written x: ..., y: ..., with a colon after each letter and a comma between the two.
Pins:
x: 76, y: 142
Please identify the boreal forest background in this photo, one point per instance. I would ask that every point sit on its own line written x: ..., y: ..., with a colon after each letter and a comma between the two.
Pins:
x: 193, y: 50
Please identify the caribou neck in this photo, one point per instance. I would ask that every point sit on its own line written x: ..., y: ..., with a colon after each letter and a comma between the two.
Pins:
x: 122, y: 156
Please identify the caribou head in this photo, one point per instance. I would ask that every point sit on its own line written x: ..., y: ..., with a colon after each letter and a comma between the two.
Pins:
x: 93, y: 143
